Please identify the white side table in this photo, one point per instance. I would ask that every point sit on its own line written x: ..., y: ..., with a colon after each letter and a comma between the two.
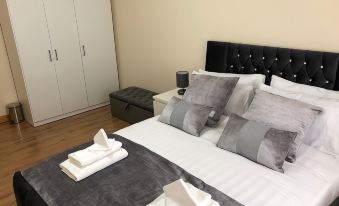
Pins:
x: 160, y: 101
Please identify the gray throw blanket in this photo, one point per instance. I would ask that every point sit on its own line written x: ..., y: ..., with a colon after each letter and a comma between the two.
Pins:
x: 135, y: 180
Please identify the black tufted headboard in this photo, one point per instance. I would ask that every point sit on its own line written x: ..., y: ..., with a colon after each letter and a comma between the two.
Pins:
x: 314, y: 68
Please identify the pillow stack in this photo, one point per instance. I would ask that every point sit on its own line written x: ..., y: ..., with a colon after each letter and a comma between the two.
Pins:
x: 283, y: 113
x: 214, y: 93
x: 243, y: 92
x: 324, y: 133
x: 211, y: 91
x: 266, y: 124
x: 203, y: 103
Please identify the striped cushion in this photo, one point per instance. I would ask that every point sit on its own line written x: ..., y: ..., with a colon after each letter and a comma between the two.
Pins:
x: 258, y: 142
x: 283, y: 113
x: 186, y: 116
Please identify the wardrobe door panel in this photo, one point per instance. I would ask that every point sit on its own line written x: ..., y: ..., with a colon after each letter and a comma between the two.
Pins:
x: 97, y: 41
x: 66, y: 53
x: 34, y: 50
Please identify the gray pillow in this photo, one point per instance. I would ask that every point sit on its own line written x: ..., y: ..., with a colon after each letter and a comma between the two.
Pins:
x: 186, y: 116
x: 212, y: 92
x: 283, y: 113
x: 258, y: 142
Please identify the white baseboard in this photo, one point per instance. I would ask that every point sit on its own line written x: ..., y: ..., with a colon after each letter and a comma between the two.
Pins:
x: 53, y: 119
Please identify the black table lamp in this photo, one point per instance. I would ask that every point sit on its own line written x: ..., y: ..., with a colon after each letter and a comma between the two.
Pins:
x: 182, y: 81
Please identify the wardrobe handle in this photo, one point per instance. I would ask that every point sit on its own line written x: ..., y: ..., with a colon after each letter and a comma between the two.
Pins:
x: 83, y: 49
x: 50, y: 55
x: 56, y: 55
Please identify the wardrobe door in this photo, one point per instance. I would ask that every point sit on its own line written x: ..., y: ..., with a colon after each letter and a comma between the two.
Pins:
x: 97, y: 43
x: 66, y: 54
x: 34, y: 50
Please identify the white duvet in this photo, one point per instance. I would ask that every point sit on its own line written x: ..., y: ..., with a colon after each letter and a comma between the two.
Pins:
x: 312, y: 180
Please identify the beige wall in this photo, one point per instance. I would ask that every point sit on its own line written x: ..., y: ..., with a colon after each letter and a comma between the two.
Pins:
x: 7, y: 89
x: 155, y: 38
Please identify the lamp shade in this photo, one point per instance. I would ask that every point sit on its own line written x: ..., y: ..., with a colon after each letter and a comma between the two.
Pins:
x: 182, y: 79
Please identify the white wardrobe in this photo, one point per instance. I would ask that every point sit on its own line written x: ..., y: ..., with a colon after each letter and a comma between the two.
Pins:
x: 62, y: 55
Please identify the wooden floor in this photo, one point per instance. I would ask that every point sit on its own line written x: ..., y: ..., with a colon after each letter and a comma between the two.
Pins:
x: 22, y: 146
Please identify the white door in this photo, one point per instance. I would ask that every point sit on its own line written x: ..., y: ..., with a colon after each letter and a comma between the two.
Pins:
x: 66, y: 54
x: 98, y: 48
x: 34, y: 49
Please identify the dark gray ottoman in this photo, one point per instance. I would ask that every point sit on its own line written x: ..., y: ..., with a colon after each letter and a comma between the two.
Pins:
x: 132, y: 104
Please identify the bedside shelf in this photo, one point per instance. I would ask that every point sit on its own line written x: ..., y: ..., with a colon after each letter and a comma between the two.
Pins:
x: 160, y: 101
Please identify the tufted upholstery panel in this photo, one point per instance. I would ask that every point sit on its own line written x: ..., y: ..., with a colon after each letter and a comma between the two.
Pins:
x: 136, y: 96
x: 314, y: 68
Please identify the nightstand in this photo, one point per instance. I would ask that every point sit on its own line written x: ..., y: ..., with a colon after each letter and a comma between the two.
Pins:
x: 160, y: 101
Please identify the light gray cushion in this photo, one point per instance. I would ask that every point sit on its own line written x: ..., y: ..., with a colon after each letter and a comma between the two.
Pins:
x: 212, y: 92
x: 186, y: 116
x: 283, y: 113
x: 258, y: 142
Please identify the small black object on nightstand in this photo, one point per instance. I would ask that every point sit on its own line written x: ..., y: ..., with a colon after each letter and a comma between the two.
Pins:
x: 182, y: 81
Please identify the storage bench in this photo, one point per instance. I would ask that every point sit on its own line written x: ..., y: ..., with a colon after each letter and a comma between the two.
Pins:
x: 132, y: 104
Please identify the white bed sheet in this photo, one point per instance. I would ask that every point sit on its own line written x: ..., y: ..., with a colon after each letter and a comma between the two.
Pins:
x: 312, y: 180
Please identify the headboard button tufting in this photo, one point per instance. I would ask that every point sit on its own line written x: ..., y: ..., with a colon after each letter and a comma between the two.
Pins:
x: 315, y: 68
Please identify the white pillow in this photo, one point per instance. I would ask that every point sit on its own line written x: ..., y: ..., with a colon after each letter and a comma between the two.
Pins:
x: 245, y: 79
x: 243, y: 92
x: 324, y: 133
x: 280, y: 83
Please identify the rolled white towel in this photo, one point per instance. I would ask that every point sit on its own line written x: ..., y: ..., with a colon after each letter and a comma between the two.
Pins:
x: 78, y: 173
x: 93, y: 153
x: 180, y: 193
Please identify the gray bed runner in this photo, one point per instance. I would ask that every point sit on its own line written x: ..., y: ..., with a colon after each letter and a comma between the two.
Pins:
x: 136, y: 180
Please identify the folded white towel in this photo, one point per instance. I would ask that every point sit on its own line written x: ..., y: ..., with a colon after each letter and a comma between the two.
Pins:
x: 180, y: 193
x: 93, y: 153
x: 101, y: 139
x: 78, y: 173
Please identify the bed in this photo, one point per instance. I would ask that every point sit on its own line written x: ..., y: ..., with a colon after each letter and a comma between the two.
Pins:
x: 312, y: 180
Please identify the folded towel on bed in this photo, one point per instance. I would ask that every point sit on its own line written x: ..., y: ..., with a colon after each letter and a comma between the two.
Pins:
x: 180, y: 193
x: 93, y: 153
x: 101, y: 140
x: 78, y: 173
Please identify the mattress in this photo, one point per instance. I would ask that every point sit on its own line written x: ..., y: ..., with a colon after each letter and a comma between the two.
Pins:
x: 312, y: 180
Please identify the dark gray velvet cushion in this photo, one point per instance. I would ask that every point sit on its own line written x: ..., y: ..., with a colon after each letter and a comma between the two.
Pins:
x: 256, y: 141
x: 212, y: 92
x: 283, y: 113
x: 186, y: 116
